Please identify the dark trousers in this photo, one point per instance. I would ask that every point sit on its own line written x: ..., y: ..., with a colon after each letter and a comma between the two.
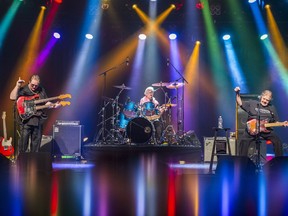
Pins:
x: 247, y: 140
x: 30, y: 133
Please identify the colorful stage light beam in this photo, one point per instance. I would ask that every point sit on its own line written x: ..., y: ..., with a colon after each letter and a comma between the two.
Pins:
x: 192, y: 89
x: 260, y: 24
x: 52, y: 12
x: 7, y: 20
x: 276, y: 37
x: 218, y: 67
x: 24, y: 65
x: 44, y: 54
x: 80, y: 71
x: 236, y: 73
x: 278, y: 71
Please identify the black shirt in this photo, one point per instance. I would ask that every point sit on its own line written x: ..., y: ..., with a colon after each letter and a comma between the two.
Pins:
x: 255, y: 109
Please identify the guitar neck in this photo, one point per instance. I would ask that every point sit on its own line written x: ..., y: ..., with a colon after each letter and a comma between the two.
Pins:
x: 45, y: 100
x: 4, y: 129
x: 274, y: 124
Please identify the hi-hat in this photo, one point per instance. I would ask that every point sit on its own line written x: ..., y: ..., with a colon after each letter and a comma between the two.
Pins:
x: 175, y: 85
x: 123, y: 87
x: 160, y: 84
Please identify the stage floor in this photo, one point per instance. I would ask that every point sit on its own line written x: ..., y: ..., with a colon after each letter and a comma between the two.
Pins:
x: 141, y: 180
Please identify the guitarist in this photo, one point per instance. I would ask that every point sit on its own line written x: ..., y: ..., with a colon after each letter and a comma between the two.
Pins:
x: 264, y: 110
x: 31, y: 128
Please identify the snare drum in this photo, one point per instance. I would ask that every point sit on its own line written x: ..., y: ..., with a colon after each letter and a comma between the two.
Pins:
x: 139, y: 130
x: 130, y: 110
x: 149, y: 109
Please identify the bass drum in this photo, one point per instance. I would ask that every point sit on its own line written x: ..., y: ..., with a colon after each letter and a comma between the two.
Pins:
x: 139, y: 130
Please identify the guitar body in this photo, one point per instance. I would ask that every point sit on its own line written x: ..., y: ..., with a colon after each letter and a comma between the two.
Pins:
x: 6, y: 147
x: 26, y: 107
x: 252, y: 126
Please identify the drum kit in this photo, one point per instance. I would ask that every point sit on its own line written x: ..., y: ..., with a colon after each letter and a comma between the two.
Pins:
x: 132, y: 123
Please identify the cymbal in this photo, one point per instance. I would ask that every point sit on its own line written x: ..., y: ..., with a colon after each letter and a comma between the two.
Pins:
x: 175, y: 85
x: 169, y: 105
x: 122, y: 87
x: 160, y: 84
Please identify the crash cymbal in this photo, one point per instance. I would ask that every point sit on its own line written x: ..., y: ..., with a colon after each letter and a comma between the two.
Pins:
x: 175, y: 85
x: 160, y: 84
x: 123, y: 87
x: 169, y: 105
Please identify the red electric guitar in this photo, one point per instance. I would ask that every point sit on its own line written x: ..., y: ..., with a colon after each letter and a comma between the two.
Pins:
x: 27, y: 105
x: 6, y: 147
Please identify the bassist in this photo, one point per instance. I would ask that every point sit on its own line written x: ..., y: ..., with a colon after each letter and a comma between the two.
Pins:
x: 261, y: 110
x: 32, y: 127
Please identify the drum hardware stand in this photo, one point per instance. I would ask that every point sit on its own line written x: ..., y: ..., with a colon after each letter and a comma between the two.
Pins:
x: 180, y: 113
x: 103, y: 111
x: 102, y: 131
x: 168, y: 134
x: 116, y: 136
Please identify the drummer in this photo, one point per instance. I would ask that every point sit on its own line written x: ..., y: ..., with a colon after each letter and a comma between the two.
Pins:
x: 156, y: 111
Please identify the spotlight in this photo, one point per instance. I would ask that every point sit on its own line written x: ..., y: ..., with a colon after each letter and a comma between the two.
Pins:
x: 200, y: 5
x: 226, y: 37
x: 89, y: 36
x: 56, y: 35
x: 264, y: 36
x: 267, y: 6
x: 198, y: 42
x: 251, y: 1
x: 172, y: 36
x: 142, y: 36
x: 105, y: 4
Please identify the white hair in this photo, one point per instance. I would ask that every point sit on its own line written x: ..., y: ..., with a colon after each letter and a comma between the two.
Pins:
x: 148, y: 89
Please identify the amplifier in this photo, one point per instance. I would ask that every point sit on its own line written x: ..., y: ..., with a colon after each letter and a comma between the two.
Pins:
x: 221, y: 147
x: 67, y: 140
x: 63, y: 122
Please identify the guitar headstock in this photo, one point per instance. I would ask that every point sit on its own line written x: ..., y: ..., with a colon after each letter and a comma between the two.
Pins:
x: 3, y: 115
x: 63, y: 96
x: 64, y: 103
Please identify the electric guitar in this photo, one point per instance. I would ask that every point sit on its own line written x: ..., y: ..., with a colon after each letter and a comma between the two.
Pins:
x: 6, y: 147
x: 27, y: 105
x: 252, y: 126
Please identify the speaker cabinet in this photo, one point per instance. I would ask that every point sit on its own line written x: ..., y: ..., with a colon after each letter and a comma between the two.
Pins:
x: 221, y: 147
x: 67, y: 140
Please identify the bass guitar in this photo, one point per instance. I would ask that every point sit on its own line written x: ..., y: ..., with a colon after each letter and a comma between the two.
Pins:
x: 27, y: 105
x: 252, y: 126
x: 6, y: 147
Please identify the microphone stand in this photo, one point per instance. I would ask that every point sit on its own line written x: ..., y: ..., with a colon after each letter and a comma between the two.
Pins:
x: 258, y: 142
x: 180, y: 113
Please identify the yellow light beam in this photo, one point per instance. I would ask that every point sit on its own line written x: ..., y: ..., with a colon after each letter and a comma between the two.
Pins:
x: 276, y: 37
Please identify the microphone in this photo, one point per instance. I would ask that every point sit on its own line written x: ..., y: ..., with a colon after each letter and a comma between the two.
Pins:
x: 168, y: 61
x: 127, y: 61
x: 128, y: 100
